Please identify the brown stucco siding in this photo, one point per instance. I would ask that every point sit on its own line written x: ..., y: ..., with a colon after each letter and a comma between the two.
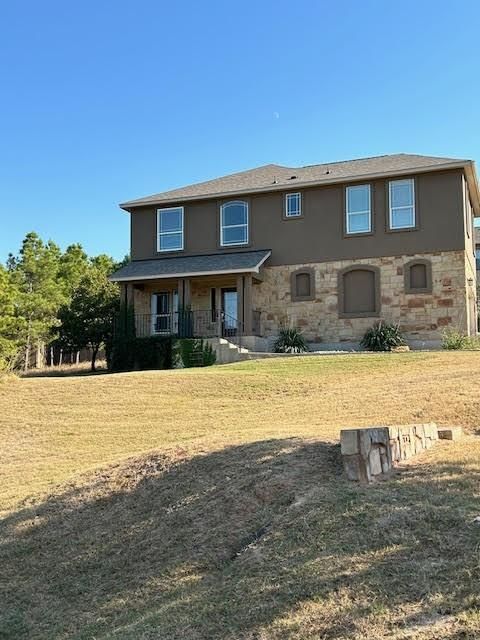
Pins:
x: 420, y: 316
x: 319, y: 234
x: 469, y: 230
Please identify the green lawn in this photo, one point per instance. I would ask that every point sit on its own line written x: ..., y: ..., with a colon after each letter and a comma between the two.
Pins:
x: 211, y: 503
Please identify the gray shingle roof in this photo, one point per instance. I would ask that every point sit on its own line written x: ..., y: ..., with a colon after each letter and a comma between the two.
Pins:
x: 274, y: 176
x: 239, y: 262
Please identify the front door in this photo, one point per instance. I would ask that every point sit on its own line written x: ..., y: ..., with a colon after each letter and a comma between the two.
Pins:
x: 229, y: 308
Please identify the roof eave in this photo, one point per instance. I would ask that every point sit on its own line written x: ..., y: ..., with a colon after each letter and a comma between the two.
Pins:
x: 190, y: 274
x: 473, y: 186
x: 462, y: 164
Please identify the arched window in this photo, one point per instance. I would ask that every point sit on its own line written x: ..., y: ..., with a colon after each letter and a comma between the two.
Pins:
x: 303, y: 285
x: 233, y: 223
x: 359, y: 292
x: 418, y: 276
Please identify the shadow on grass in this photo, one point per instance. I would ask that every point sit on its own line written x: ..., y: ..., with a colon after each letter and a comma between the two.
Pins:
x: 264, y: 540
x: 64, y: 372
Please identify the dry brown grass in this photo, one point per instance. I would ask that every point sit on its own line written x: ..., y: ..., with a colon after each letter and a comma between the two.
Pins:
x: 239, y: 523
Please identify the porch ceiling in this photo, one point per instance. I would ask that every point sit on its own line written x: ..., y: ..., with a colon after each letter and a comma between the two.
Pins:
x: 185, y: 266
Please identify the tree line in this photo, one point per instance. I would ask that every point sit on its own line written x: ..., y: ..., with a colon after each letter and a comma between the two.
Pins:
x: 54, y: 297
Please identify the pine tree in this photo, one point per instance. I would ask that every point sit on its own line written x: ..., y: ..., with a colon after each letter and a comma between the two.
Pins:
x: 35, y: 273
x: 87, y: 321
x: 74, y: 265
x: 11, y: 326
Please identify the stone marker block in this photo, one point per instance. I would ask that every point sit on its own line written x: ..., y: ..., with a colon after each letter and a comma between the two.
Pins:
x: 349, y: 442
x: 372, y: 451
x: 450, y: 433
x: 355, y: 468
x: 375, y: 462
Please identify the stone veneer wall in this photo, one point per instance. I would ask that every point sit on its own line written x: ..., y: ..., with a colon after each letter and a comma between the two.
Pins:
x: 420, y: 316
x: 471, y: 288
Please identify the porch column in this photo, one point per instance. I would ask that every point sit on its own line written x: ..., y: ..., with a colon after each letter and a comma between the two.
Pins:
x: 247, y: 305
x: 180, y: 291
x: 123, y: 293
x: 218, y: 310
x: 187, y: 292
x: 129, y: 294
x: 240, y: 316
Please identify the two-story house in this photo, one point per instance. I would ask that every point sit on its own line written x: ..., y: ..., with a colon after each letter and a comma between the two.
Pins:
x: 329, y: 248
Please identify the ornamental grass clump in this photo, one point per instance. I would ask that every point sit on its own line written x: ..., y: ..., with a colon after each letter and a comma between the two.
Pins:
x: 454, y: 340
x: 290, y: 340
x: 382, y: 337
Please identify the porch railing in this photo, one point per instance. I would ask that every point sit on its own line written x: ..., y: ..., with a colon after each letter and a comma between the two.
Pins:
x: 204, y: 323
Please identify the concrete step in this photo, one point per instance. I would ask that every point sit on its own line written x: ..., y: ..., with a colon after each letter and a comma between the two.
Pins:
x: 227, y: 351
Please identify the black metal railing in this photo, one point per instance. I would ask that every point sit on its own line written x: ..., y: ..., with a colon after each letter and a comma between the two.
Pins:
x: 204, y: 323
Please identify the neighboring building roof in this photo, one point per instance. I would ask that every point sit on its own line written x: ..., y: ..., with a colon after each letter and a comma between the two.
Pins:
x: 272, y: 177
x: 202, y: 265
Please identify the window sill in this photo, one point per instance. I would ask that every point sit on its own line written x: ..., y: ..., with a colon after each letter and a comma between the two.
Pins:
x: 303, y: 298
x: 364, y: 314
x: 359, y: 234
x: 414, y: 292
x: 402, y: 230
x: 300, y: 217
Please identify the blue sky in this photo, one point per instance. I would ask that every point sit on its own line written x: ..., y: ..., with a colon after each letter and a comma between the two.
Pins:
x: 110, y: 100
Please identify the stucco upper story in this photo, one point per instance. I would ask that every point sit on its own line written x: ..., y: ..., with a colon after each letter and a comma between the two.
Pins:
x: 373, y: 207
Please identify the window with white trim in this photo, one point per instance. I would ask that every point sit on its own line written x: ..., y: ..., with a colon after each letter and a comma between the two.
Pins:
x: 233, y: 223
x: 170, y: 229
x: 401, y: 197
x: 293, y: 205
x: 358, y: 209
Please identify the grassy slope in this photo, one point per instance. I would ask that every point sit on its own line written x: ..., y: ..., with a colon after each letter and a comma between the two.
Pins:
x: 164, y: 545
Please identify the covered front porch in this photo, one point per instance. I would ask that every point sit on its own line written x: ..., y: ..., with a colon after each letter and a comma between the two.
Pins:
x: 204, y: 296
x: 194, y: 307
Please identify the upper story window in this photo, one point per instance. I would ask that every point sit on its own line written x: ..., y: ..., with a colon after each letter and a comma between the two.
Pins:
x: 358, y: 209
x: 293, y: 205
x: 234, y: 223
x: 401, y: 196
x: 170, y: 229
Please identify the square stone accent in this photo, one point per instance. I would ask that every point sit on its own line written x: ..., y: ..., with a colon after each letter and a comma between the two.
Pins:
x: 450, y: 433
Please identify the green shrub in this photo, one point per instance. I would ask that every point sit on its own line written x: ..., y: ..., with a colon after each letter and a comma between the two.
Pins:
x: 154, y: 352
x: 185, y: 323
x: 9, y: 352
x: 382, y: 337
x: 196, y: 353
x: 453, y: 340
x: 290, y: 340
x: 133, y: 354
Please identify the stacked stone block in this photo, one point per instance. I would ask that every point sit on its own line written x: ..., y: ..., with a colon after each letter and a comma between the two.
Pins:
x: 370, y: 452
